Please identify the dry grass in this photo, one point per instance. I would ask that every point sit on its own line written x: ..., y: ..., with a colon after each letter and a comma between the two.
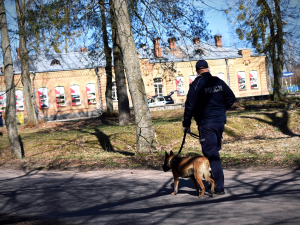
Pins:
x: 251, y: 138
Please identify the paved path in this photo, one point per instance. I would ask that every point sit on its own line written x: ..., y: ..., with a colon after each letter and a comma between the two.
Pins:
x: 143, y: 197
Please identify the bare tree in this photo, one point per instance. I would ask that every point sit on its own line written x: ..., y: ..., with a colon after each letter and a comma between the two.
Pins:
x: 262, y: 23
x: 26, y: 81
x: 144, y: 130
x: 108, y: 67
x: 10, y: 110
x: 123, y: 102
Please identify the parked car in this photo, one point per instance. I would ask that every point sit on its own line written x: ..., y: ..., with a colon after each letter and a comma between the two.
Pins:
x: 160, y: 100
x: 169, y: 100
x: 157, y: 100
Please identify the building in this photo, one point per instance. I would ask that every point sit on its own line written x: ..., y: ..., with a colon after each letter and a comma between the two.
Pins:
x: 70, y: 85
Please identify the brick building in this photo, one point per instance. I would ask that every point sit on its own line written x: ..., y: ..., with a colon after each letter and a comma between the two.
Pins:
x: 70, y: 85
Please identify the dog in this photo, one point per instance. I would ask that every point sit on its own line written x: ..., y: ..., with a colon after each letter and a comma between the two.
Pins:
x: 196, y: 168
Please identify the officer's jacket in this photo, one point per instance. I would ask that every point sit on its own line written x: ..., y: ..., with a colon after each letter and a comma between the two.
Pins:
x: 207, y: 100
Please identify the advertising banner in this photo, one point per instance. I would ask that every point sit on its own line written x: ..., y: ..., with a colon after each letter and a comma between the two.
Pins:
x: 43, y: 98
x: 91, y: 94
x: 19, y: 100
x: 192, y: 78
x: 60, y: 96
x: 241, y: 81
x: 253, y: 79
x: 75, y: 94
x: 221, y: 76
x: 2, y: 101
x: 180, y: 86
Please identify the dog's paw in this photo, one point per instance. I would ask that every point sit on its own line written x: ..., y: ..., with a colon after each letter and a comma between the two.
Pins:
x: 174, y: 193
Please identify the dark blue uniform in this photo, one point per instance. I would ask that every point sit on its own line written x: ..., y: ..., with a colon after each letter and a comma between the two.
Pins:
x: 207, y: 101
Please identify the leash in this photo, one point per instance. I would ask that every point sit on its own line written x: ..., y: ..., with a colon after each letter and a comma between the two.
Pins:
x: 183, y: 141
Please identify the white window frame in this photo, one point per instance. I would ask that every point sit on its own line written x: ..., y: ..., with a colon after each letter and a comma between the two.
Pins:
x: 75, y: 96
x: 158, y: 85
x: 3, y: 101
x: 91, y: 95
x: 254, y: 79
x: 45, y: 99
x: 114, y: 92
x: 242, y: 81
x: 60, y: 94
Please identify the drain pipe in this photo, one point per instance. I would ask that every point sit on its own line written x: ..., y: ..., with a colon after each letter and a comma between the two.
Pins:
x: 226, y: 59
x: 100, y: 107
x: 37, y: 113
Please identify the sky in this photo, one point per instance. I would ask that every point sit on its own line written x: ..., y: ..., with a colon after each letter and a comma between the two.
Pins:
x: 217, y: 20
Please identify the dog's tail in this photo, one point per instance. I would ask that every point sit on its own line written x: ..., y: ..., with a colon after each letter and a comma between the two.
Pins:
x: 206, y: 170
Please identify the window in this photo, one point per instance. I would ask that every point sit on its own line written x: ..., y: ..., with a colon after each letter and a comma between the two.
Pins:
x: 220, y: 75
x: 180, y: 85
x: 19, y: 100
x: 60, y: 96
x: 2, y: 101
x: 43, y: 98
x: 75, y: 94
x: 192, y: 78
x: 241, y: 80
x: 114, y: 92
x: 158, y: 87
x: 91, y: 94
x: 253, y: 79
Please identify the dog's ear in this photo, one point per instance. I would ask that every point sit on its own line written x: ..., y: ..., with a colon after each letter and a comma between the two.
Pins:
x: 166, y: 154
x: 171, y: 153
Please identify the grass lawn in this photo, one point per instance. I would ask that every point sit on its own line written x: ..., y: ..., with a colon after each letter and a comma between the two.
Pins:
x: 260, y: 138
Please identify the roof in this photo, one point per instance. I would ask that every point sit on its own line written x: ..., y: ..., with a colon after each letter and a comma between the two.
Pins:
x: 191, y: 53
x: 66, y: 61
x: 90, y: 60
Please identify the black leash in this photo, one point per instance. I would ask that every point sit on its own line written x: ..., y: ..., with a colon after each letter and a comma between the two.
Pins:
x: 183, y: 141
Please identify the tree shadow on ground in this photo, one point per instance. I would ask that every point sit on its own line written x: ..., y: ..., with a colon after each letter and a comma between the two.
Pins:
x: 120, y: 200
x: 105, y: 143
x: 279, y: 122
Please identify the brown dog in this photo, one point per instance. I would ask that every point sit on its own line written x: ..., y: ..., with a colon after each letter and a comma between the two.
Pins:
x: 194, y: 167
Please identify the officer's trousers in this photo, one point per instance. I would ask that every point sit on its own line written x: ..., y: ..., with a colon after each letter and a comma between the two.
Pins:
x: 211, y: 140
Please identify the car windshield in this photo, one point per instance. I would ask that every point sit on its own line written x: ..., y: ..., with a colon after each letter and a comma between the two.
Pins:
x: 160, y: 99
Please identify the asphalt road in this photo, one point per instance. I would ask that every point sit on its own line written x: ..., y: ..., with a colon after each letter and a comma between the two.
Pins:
x: 144, y: 197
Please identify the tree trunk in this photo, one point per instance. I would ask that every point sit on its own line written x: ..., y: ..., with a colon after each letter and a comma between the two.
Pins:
x: 10, y: 111
x: 279, y: 44
x: 144, y: 131
x: 26, y: 81
x: 277, y: 68
x: 108, y: 67
x: 263, y: 37
x: 123, y: 102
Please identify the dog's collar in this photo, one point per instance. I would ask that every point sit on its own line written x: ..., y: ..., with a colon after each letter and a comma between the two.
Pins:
x: 171, y: 161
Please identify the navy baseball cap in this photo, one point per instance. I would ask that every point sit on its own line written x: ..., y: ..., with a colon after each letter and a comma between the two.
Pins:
x: 201, y: 64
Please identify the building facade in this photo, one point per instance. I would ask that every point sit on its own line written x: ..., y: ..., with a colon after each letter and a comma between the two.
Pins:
x: 72, y: 85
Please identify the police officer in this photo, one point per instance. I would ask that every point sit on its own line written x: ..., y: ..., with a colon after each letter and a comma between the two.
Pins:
x: 207, y: 101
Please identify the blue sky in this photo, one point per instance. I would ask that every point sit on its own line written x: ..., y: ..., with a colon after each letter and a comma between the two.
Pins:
x: 217, y: 20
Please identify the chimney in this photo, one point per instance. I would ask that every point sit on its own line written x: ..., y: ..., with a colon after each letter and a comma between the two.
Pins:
x: 218, y: 40
x: 157, y: 48
x: 84, y: 49
x: 196, y: 41
x: 172, y: 43
x: 18, y: 53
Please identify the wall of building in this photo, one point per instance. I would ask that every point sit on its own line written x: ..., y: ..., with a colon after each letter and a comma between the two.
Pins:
x: 167, y: 71
x: 186, y: 69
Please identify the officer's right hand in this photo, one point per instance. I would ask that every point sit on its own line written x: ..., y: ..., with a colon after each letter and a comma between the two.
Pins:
x: 186, y: 130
